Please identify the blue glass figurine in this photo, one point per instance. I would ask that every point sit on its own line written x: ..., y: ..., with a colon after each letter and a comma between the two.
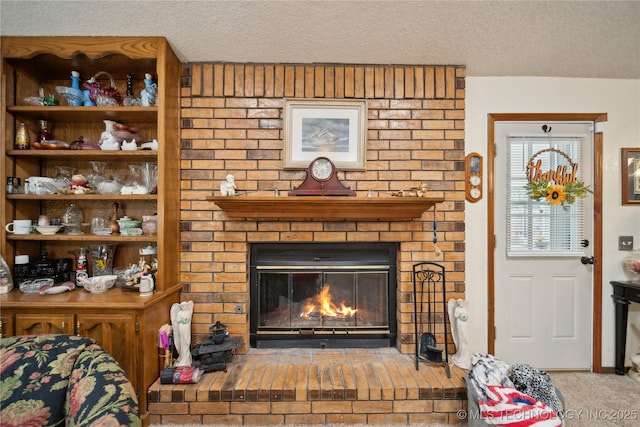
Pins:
x: 74, y: 94
x: 149, y: 94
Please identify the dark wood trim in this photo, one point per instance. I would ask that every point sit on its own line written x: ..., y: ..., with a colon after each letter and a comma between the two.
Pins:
x: 598, y: 141
x: 491, y: 326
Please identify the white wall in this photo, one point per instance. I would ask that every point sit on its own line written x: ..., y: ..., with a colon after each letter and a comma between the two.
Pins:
x: 620, y: 99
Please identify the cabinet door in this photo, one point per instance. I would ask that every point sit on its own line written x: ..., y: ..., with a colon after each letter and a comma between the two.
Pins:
x: 6, y: 325
x: 28, y: 324
x: 117, y: 334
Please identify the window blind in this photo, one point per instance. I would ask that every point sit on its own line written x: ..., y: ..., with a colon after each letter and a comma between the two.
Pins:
x: 535, y: 228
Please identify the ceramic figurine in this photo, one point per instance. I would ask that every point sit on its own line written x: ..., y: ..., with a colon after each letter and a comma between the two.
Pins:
x: 108, y: 141
x: 634, y: 372
x: 75, y: 80
x: 181, y: 325
x: 129, y: 146
x: 76, y: 99
x: 86, y: 98
x: 149, y: 94
x: 459, y: 317
x: 153, y: 145
x: 420, y: 191
x: 228, y: 186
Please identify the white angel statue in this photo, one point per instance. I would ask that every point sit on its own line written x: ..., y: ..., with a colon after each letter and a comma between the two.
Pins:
x: 228, y: 186
x: 181, y: 325
x: 458, y: 318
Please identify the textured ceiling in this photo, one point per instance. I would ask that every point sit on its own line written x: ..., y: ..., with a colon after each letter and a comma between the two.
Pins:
x: 491, y: 38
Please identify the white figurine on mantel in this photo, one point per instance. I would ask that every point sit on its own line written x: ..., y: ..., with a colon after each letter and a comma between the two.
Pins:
x: 459, y: 317
x: 181, y: 325
x: 228, y: 186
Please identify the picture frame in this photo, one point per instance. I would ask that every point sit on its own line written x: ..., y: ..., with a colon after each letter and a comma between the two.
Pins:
x: 630, y: 163
x: 333, y: 128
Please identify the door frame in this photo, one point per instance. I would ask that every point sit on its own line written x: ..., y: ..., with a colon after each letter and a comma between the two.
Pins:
x: 596, y: 363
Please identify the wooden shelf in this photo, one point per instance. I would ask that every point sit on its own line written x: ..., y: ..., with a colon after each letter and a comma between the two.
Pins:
x: 79, y: 299
x: 92, y: 196
x: 87, y: 155
x: 86, y: 237
x: 82, y: 114
x: 325, y: 207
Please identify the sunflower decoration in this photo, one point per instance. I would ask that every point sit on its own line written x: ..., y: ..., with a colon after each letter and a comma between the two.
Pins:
x: 556, y: 194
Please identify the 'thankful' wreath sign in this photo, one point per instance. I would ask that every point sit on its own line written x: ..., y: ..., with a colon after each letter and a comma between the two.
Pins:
x: 557, y: 187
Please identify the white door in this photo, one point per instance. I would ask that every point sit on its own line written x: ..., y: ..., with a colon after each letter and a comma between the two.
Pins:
x: 543, y: 290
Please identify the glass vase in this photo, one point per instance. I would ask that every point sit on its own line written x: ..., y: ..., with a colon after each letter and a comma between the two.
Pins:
x: 63, y: 178
x: 102, y: 256
x: 97, y: 175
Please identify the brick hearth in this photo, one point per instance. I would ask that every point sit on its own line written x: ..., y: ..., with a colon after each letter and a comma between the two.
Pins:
x: 315, y: 386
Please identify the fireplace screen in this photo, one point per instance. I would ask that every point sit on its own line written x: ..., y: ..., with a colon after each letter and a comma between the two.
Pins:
x: 314, y: 294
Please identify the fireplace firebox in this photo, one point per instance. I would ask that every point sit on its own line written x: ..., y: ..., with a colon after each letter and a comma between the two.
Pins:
x: 337, y: 295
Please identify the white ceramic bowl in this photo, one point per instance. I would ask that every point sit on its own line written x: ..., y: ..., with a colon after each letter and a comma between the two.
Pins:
x: 97, y: 284
x: 48, y: 229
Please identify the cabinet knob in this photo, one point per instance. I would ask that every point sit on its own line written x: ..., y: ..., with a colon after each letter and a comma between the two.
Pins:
x: 78, y: 324
x: 63, y: 325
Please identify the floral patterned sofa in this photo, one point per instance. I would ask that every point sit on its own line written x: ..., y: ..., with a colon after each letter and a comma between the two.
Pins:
x: 63, y: 380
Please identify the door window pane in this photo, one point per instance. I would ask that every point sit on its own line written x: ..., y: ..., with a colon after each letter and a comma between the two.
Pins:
x: 535, y: 228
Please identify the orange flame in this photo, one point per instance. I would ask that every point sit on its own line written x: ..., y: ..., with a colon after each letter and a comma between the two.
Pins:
x: 322, y: 306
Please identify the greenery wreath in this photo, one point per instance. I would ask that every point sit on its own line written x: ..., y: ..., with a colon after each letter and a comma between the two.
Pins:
x: 563, y: 195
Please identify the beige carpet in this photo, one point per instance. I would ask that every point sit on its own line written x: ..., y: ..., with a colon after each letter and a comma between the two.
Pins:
x: 311, y: 425
x: 592, y: 400
x: 596, y: 400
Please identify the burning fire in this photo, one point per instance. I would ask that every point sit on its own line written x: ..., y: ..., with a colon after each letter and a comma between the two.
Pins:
x: 322, y: 306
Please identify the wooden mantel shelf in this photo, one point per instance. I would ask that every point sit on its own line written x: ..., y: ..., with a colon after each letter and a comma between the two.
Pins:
x: 325, y: 207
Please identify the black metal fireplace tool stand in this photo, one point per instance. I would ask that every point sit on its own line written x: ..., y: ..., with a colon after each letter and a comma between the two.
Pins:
x: 428, y: 283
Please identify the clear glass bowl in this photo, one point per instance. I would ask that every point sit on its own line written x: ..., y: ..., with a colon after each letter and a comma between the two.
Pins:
x: 33, y: 286
x: 109, y: 186
x: 73, y: 96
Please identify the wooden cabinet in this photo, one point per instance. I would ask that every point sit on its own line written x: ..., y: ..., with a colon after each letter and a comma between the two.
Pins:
x: 111, y: 330
x: 6, y: 325
x: 123, y: 322
x: 37, y: 324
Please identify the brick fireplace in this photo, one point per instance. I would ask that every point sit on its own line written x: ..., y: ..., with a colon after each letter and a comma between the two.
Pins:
x: 232, y: 123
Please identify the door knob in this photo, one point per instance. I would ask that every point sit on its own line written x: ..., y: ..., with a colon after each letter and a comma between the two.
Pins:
x: 584, y: 243
x: 588, y: 260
